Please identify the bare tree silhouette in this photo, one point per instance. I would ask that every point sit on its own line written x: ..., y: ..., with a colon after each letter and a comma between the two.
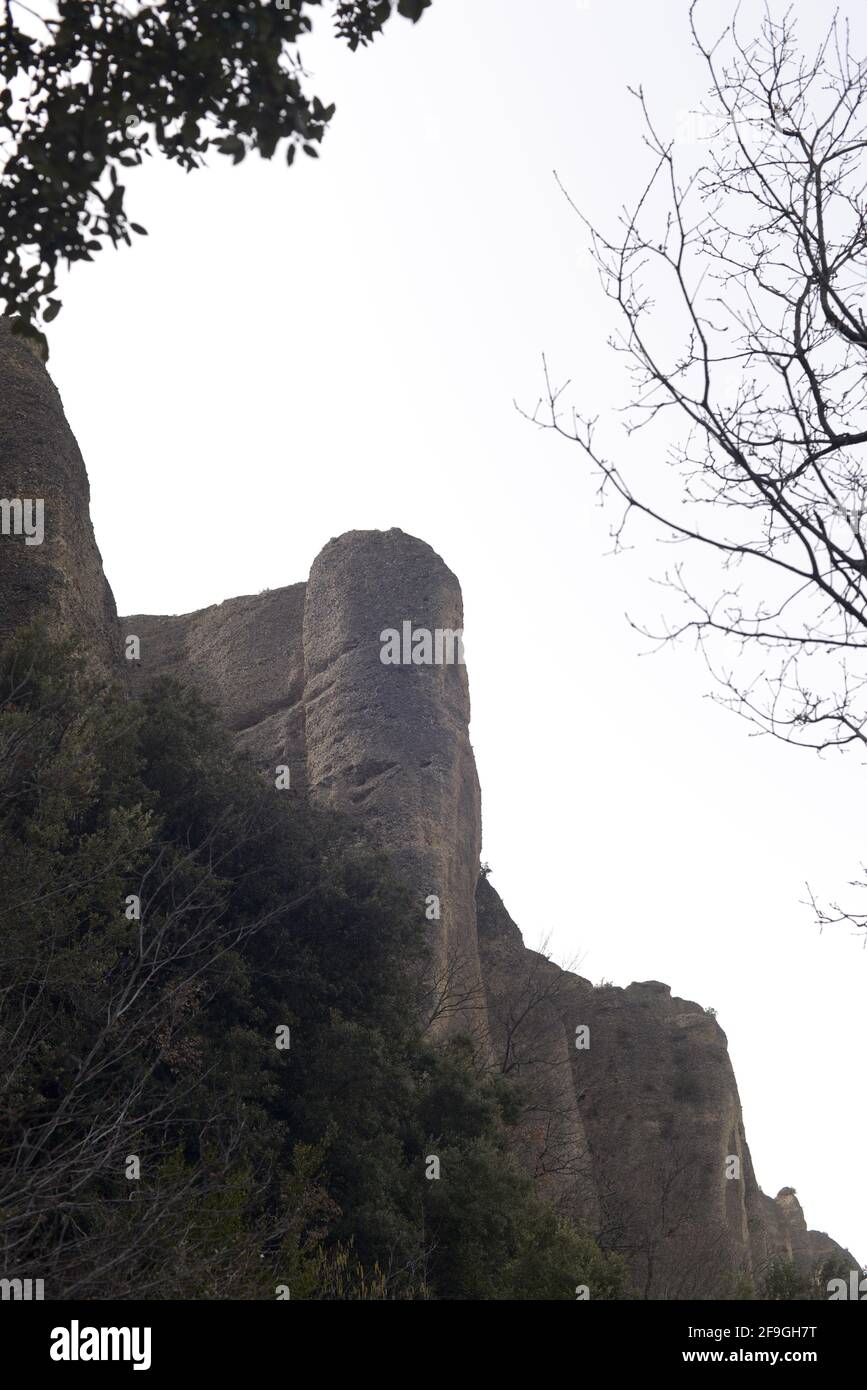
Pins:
x: 739, y: 278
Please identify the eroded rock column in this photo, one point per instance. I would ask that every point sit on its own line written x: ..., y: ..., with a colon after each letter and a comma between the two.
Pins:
x: 389, y: 742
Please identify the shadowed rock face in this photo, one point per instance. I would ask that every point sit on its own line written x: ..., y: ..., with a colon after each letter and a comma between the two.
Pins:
x: 390, y: 743
x: 297, y: 674
x: 246, y: 656
x: 644, y: 1155
x: 789, y: 1236
x: 61, y: 580
x: 633, y: 1133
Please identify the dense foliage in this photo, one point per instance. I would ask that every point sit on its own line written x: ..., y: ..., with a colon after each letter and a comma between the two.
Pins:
x: 165, y: 913
x: 90, y: 87
x: 784, y: 1281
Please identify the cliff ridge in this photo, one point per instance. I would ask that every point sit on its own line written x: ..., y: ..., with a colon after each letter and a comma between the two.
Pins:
x: 629, y: 1111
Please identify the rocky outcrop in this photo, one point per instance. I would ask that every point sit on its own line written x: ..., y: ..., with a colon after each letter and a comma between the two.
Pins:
x: 59, y: 578
x: 789, y: 1238
x: 654, y: 1157
x: 629, y: 1111
x: 531, y: 1046
x: 629, y: 1115
x: 297, y: 674
x: 390, y: 743
x: 244, y: 655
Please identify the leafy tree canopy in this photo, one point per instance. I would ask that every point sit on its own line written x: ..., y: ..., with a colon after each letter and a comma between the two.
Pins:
x: 90, y: 87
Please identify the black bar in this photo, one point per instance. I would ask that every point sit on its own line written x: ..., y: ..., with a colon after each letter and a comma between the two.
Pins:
x: 226, y: 1339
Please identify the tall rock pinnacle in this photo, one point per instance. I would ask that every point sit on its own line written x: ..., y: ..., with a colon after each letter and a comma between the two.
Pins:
x: 389, y: 742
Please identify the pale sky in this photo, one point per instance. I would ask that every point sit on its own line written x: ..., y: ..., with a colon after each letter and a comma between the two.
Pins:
x: 293, y: 354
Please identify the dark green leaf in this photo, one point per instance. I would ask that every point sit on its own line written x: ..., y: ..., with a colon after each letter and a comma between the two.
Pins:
x: 412, y: 9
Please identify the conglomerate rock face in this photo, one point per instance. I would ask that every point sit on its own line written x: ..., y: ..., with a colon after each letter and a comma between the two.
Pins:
x: 640, y: 1134
x: 58, y: 576
x: 787, y: 1235
x: 657, y: 1107
x: 629, y: 1116
x: 629, y: 1111
x: 389, y: 741
x: 245, y: 655
x: 298, y: 674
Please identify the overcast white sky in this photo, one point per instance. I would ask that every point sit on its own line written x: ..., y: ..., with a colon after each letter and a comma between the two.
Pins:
x: 293, y: 354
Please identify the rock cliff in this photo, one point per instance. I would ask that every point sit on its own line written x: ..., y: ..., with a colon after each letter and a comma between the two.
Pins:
x: 297, y: 674
x: 60, y: 576
x: 629, y: 1110
x: 653, y: 1155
